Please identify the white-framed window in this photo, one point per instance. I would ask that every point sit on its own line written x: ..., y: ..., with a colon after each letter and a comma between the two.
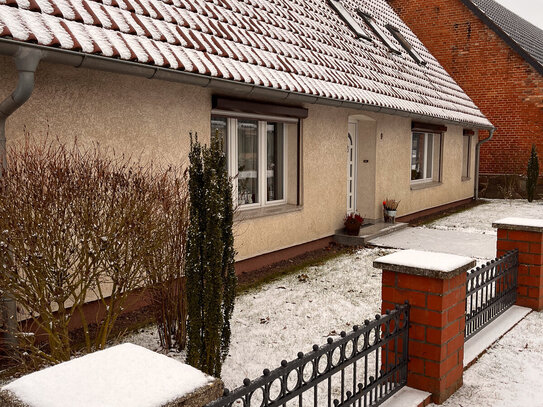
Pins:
x: 257, y: 155
x: 466, y: 156
x: 425, y: 157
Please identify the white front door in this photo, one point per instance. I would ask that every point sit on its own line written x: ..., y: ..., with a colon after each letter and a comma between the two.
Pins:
x: 351, y: 167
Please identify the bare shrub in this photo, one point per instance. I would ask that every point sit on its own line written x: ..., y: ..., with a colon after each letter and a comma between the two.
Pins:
x: 165, y: 266
x: 509, y: 188
x: 78, y: 225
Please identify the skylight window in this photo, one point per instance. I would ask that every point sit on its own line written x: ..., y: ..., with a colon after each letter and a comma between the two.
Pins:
x: 406, y: 45
x: 378, y: 31
x: 348, y: 19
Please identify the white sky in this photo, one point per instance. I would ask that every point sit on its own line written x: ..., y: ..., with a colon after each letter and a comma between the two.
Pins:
x: 531, y: 10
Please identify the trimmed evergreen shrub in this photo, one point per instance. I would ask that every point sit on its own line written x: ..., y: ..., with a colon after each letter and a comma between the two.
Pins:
x: 533, y: 174
x: 209, y: 270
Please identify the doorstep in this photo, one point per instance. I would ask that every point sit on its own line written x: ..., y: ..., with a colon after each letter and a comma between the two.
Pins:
x: 368, y: 232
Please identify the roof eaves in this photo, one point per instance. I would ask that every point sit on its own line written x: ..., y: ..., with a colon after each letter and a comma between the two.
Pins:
x: 504, y: 36
x: 78, y: 59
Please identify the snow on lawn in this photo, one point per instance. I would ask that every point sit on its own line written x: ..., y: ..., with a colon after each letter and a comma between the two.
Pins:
x: 479, y: 219
x: 289, y: 315
x: 510, y: 373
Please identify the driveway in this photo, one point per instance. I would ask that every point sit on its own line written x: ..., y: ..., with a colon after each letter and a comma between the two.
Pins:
x: 476, y: 245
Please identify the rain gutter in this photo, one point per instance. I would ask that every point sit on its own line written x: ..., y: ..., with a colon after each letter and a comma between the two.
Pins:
x: 80, y: 60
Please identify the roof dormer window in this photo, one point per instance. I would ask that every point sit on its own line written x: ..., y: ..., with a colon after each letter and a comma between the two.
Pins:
x: 379, y: 31
x: 406, y: 45
x: 348, y: 19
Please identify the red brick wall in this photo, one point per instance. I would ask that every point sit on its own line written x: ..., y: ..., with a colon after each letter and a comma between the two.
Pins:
x: 507, y: 89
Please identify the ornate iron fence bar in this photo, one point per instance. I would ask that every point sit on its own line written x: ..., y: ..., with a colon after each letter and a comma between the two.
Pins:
x: 381, y: 345
x: 490, y: 290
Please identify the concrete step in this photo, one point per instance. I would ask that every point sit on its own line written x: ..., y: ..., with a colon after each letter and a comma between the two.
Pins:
x: 368, y: 232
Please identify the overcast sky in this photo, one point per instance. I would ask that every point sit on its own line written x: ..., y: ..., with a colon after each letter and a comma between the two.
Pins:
x: 531, y: 10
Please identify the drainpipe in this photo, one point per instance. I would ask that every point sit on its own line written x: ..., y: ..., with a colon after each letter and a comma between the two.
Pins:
x: 478, y: 158
x: 26, y: 62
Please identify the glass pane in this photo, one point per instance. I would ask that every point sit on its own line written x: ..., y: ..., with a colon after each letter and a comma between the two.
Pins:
x: 219, y: 128
x: 430, y: 155
x: 417, y: 156
x: 275, y: 160
x: 247, y: 162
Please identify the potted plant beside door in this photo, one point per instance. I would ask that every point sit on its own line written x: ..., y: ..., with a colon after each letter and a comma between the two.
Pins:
x: 352, y: 223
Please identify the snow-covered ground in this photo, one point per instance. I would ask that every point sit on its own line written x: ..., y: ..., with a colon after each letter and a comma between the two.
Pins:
x: 509, y: 374
x: 291, y: 314
x: 287, y: 316
x: 479, y: 219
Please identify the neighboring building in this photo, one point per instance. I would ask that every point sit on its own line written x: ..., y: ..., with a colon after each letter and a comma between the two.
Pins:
x: 497, y: 58
x: 326, y: 107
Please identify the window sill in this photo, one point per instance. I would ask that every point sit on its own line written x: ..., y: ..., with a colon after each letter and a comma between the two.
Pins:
x: 424, y: 185
x: 464, y: 179
x: 265, y: 211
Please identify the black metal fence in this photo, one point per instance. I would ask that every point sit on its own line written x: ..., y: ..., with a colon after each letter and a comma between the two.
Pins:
x: 362, y: 368
x: 490, y: 290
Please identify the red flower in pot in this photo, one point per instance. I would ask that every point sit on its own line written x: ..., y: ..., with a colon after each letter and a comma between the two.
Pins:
x: 352, y: 223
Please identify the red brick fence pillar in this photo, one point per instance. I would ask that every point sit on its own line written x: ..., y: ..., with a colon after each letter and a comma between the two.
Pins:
x: 435, y: 286
x: 526, y: 235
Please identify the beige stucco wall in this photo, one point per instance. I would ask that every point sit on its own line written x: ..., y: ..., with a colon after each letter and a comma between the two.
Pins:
x: 393, y: 154
x: 146, y: 118
x: 152, y: 119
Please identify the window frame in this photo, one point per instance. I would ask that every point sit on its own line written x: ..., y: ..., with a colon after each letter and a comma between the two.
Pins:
x: 232, y: 155
x: 348, y: 19
x: 370, y: 21
x: 432, y: 177
x: 468, y: 158
x: 406, y: 44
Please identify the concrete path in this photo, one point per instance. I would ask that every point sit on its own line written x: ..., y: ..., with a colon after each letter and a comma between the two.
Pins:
x: 482, y: 246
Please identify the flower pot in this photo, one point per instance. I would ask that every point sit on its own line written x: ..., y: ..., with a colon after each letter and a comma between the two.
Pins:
x: 352, y: 228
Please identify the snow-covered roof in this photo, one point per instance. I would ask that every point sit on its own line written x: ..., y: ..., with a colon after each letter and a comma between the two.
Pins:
x: 299, y: 46
x: 524, y: 37
x: 120, y: 376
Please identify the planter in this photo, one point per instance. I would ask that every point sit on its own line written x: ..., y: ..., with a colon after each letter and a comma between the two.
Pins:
x: 352, y: 228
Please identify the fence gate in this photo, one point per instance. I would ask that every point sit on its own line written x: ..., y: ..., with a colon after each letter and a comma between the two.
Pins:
x: 362, y: 368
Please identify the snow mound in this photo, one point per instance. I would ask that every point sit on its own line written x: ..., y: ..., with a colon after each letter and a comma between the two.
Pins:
x: 120, y: 376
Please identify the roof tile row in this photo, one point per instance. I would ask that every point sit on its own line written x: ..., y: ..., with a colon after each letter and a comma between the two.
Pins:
x: 284, y: 44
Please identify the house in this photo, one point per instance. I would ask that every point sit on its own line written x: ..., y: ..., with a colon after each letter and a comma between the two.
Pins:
x: 497, y: 58
x: 325, y: 107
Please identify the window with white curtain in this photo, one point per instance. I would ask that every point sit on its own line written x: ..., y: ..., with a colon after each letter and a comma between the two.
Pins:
x: 425, y: 157
x: 258, y: 158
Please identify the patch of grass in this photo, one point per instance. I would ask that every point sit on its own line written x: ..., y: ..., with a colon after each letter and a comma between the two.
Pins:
x: 426, y: 220
x: 289, y: 267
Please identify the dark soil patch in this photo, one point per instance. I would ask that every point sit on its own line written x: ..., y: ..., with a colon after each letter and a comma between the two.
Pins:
x: 253, y: 279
